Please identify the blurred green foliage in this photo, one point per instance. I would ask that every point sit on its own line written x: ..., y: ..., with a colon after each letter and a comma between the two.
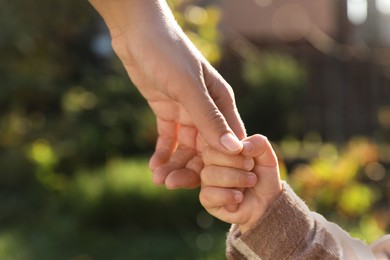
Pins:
x: 268, y: 86
x: 275, y: 85
x: 59, y: 98
x: 114, y: 212
x: 200, y: 25
x: 347, y: 184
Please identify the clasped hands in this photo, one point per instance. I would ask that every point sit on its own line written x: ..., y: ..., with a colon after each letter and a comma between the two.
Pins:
x: 190, y: 99
x: 187, y: 95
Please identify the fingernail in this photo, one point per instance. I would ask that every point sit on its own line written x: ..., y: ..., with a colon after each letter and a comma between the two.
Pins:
x: 252, y: 179
x: 248, y: 146
x: 231, y: 142
x: 237, y: 196
x: 249, y: 164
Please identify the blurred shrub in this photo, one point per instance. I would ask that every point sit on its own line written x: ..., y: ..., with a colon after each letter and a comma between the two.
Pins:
x: 347, y: 184
x: 200, y: 23
x: 276, y: 89
x: 114, y: 212
x: 269, y: 91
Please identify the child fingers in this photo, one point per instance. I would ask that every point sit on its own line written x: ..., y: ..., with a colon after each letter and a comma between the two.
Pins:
x: 261, y: 150
x: 213, y: 157
x: 227, y: 177
x: 215, y: 197
x: 231, y: 208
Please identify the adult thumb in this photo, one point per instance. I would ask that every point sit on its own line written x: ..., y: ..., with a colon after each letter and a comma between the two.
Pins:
x: 212, y: 108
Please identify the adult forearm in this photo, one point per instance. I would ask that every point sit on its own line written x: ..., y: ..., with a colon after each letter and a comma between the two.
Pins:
x: 123, y: 15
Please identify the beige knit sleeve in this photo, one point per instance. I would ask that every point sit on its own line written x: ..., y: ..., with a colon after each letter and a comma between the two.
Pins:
x: 289, y: 230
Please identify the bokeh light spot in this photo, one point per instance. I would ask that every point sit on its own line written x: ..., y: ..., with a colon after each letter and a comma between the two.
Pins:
x: 42, y: 153
x: 383, y: 6
x: 357, y: 11
x: 195, y: 14
x: 375, y: 171
x: 204, y: 241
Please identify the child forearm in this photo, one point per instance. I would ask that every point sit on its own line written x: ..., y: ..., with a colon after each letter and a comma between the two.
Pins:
x: 289, y: 230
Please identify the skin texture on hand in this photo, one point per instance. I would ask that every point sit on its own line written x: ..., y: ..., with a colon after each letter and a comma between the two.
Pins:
x: 223, y: 172
x: 188, y: 96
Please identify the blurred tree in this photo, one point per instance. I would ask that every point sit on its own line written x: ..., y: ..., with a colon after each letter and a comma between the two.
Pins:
x: 275, y: 87
x: 347, y: 185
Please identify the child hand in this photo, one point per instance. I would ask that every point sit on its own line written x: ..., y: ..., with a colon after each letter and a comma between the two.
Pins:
x: 224, y: 177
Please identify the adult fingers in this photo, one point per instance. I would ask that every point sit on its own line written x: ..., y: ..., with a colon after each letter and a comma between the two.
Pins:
x: 227, y: 177
x: 166, y: 143
x: 207, y: 116
x: 177, y: 161
x: 178, y: 157
x: 223, y: 96
x: 186, y: 178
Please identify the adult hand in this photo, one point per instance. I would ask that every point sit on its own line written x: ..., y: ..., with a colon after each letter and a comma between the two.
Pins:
x: 187, y: 95
x: 222, y: 172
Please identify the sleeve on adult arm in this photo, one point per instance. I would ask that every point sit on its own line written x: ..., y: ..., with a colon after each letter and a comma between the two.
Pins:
x: 289, y: 230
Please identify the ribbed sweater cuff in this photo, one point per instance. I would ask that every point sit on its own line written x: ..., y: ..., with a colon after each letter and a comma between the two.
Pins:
x: 277, y: 234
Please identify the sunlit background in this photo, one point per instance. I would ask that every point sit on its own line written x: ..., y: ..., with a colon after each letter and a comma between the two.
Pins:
x: 75, y: 135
